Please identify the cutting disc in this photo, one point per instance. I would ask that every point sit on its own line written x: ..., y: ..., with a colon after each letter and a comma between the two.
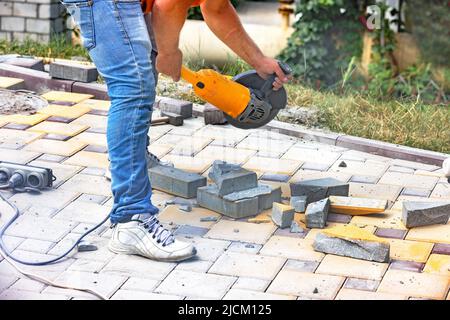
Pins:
x: 277, y: 100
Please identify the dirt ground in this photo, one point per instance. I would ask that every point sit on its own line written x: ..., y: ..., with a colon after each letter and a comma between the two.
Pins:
x: 24, y: 103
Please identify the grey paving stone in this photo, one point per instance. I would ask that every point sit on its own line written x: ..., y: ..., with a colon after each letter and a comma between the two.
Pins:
x: 260, y: 190
x: 416, y: 192
x: 181, y: 107
x: 364, y: 179
x: 208, y: 197
x: 300, y: 265
x: 298, y: 203
x: 361, y: 284
x: 365, y: 250
x: 187, y: 230
x: 33, y: 245
x: 51, y: 158
x: 282, y: 215
x: 265, y: 201
x: 317, y: 213
x: 176, y: 181
x: 231, y: 178
x: 92, y: 198
x: 12, y: 294
x: 75, y: 72
x: 416, y: 214
x: 412, y: 266
x: 6, y: 281
x: 319, y: 189
x: 275, y: 177
x: 251, y: 284
x: 244, y: 247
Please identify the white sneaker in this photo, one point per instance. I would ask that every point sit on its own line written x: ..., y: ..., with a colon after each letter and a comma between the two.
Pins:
x: 149, y: 239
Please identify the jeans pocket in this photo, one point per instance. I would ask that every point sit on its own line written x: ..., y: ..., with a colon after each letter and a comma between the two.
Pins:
x: 82, y: 13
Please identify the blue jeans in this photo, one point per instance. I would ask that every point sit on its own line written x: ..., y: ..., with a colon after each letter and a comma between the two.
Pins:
x: 116, y: 36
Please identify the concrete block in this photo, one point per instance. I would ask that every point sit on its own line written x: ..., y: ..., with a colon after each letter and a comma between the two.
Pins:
x: 231, y: 178
x: 50, y: 11
x: 31, y: 63
x: 316, y: 214
x: 266, y: 200
x: 208, y: 197
x: 354, y: 242
x: 260, y: 190
x: 28, y: 10
x: 319, y: 189
x: 12, y: 24
x: 6, y: 8
x: 73, y: 71
x: 416, y: 214
x: 175, y: 181
x: 299, y: 203
x: 181, y: 107
x: 282, y: 215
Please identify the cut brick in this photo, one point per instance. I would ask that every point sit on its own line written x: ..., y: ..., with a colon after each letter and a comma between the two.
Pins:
x: 231, y: 178
x: 299, y: 203
x: 354, y: 242
x: 180, y: 107
x: 176, y: 181
x: 357, y: 206
x: 317, y: 213
x: 416, y: 214
x: 282, y: 215
x: 319, y: 189
x: 73, y: 71
x: 208, y: 197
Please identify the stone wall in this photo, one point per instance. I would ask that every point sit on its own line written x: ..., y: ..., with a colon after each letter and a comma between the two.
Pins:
x: 34, y: 19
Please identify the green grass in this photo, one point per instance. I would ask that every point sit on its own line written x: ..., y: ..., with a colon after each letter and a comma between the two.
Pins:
x: 410, y: 123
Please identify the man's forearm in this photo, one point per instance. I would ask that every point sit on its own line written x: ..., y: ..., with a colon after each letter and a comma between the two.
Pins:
x: 224, y: 22
x: 168, y: 17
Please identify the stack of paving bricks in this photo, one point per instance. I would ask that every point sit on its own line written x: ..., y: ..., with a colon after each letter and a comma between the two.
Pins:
x: 34, y: 19
x: 236, y: 259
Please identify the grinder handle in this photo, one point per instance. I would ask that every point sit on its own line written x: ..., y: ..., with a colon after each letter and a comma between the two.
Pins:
x: 267, y: 87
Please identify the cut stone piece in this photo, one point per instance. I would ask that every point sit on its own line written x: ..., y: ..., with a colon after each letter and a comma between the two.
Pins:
x: 299, y: 203
x: 354, y: 242
x: 282, y: 215
x: 175, y: 181
x: 319, y: 189
x: 73, y: 71
x: 265, y: 201
x: 180, y: 107
x: 260, y: 190
x: 208, y: 197
x: 417, y: 214
x: 231, y: 178
x: 295, y: 228
x: 317, y: 213
x: 357, y: 206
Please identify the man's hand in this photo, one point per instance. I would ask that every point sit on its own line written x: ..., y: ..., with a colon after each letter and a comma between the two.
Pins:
x: 268, y: 66
x: 170, y: 64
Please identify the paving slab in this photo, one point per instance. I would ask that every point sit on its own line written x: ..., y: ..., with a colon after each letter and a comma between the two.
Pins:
x: 292, y: 248
x: 61, y: 148
x: 240, y: 294
x: 65, y: 96
x: 89, y: 159
x: 65, y: 112
x: 351, y: 294
x: 173, y: 214
x: 241, y: 231
x: 417, y: 214
x: 319, y: 189
x: 317, y: 213
x: 63, y: 129
x: 84, y: 183
x: 410, y: 250
x: 280, y: 166
x: 438, y: 264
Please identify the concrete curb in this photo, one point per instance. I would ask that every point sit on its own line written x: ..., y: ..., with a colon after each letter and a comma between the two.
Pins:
x: 38, y: 80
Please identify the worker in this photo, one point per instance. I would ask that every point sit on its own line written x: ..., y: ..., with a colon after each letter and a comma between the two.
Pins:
x: 123, y: 38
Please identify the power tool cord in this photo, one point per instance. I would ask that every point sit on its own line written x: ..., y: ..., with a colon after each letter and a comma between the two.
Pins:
x: 8, y: 257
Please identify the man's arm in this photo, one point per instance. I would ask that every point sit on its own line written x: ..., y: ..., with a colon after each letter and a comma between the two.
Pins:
x: 222, y: 19
x: 168, y: 17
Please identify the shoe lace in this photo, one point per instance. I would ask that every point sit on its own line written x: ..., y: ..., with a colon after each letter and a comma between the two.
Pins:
x: 153, y: 157
x: 161, y: 234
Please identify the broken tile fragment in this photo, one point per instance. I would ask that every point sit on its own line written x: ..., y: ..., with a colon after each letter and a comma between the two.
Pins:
x: 231, y: 178
x: 260, y: 190
x: 354, y: 242
x: 356, y: 206
x: 295, y: 228
x: 316, y: 214
x: 282, y: 215
x: 299, y: 203
x: 318, y: 189
x: 416, y: 214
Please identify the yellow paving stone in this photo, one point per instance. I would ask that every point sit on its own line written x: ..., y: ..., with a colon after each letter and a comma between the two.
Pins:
x: 31, y: 119
x: 438, y: 263
x: 408, y: 180
x: 89, y: 159
x: 441, y: 191
x: 66, y: 96
x: 438, y: 173
x: 160, y: 151
x: 281, y: 166
x: 374, y: 191
x: 351, y: 294
x: 190, y: 164
x: 352, y: 232
x: 94, y: 104
x: 7, y: 82
x: 9, y: 136
x: 264, y: 217
x: 228, y: 154
x: 311, y: 155
x: 173, y: 214
x: 410, y: 250
x: 241, y: 231
x: 307, y: 285
x: 356, y: 206
x: 291, y: 248
x: 414, y: 284
x: 63, y: 129
x: 310, y: 175
x: 92, y: 121
x: 90, y: 184
x: 64, y: 111
x: 354, y: 268
x: 61, y: 148
x: 96, y: 139
x: 437, y: 233
x: 367, y: 168
x: 389, y: 219
x: 313, y: 232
